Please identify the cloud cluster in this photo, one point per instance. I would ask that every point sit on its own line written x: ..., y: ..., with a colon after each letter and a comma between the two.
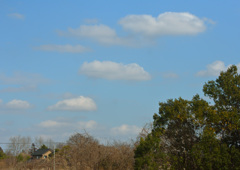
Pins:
x: 214, y: 69
x: 114, y: 71
x: 169, y: 23
x: 63, y: 48
x: 144, y: 26
x: 80, y: 103
x: 141, y: 27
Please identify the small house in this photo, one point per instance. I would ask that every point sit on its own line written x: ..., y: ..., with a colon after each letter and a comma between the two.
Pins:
x: 41, y: 154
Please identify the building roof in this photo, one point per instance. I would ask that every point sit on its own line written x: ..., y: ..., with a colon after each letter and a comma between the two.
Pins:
x: 40, y: 152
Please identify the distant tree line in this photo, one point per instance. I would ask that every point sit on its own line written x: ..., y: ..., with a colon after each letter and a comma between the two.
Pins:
x: 79, y: 152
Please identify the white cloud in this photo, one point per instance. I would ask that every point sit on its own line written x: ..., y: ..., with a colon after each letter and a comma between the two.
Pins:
x: 114, y: 71
x: 126, y: 130
x: 18, y: 104
x: 214, y: 69
x: 143, y: 27
x: 16, y: 15
x: 63, y: 48
x: 80, y: 103
x: 99, y: 33
x: 168, y: 23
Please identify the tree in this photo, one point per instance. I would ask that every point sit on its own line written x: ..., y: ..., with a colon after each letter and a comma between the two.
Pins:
x: 19, y: 144
x: 149, y: 153
x: 43, y: 147
x: 177, y: 122
x: 85, y: 152
x: 38, y: 141
x: 2, y: 154
x: 225, y: 92
x: 193, y: 134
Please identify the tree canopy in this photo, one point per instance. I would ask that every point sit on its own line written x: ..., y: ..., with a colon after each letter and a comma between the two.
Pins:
x: 196, y: 134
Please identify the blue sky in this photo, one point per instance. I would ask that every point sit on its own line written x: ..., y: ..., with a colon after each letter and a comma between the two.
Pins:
x: 104, y: 66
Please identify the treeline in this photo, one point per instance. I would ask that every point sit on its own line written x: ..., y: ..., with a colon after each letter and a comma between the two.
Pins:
x: 185, y: 134
x: 81, y: 151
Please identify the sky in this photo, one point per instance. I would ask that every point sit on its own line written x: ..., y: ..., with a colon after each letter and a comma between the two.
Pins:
x: 103, y: 66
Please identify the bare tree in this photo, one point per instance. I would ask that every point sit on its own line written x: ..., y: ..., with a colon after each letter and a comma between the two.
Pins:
x: 85, y: 152
x: 19, y: 144
x: 49, y: 143
x: 38, y: 141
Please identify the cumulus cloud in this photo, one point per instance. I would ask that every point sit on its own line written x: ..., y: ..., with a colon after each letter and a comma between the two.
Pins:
x: 143, y: 29
x: 214, y: 69
x: 114, y: 71
x: 80, y: 103
x: 99, y: 33
x: 168, y: 23
x: 63, y: 48
x: 18, y: 104
x: 16, y: 16
x: 126, y: 130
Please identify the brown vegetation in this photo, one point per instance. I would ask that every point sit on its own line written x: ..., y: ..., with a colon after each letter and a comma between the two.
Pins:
x: 81, y: 151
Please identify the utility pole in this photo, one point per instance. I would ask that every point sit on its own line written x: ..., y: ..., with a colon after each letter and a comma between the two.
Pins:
x: 54, y: 157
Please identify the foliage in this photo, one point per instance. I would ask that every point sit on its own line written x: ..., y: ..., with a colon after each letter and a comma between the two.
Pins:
x: 149, y: 153
x: 193, y: 133
x: 225, y: 92
x: 2, y: 154
x: 43, y: 147
x: 22, y: 157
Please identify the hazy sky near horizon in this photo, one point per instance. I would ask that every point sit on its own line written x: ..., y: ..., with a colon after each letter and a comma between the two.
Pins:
x: 104, y: 66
